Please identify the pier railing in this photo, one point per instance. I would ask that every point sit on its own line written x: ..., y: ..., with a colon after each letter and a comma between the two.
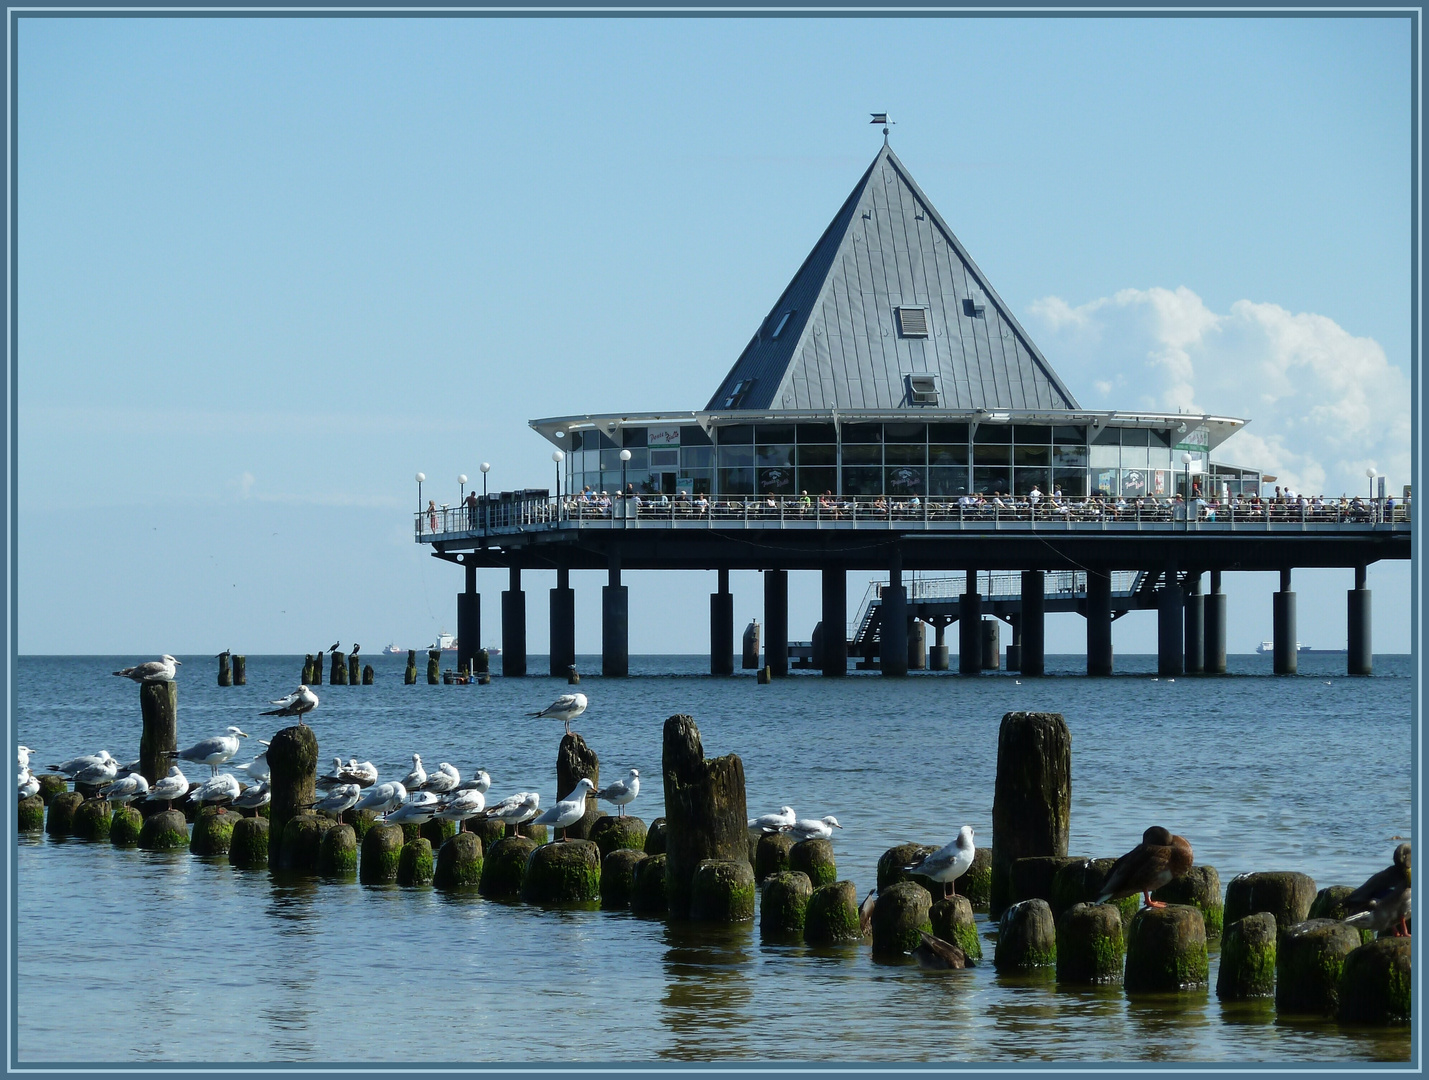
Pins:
x: 519, y: 511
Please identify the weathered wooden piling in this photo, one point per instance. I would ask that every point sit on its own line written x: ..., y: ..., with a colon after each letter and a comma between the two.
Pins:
x: 1201, y: 888
x: 52, y: 784
x: 892, y: 862
x: 31, y: 814
x: 360, y: 820
x: 565, y: 872
x: 831, y: 916
x: 410, y: 677
x: 816, y: 858
x: 354, y: 670
x: 504, y: 866
x: 337, y: 851
x: 369, y: 676
x: 1032, y: 795
x: 976, y: 884
x: 307, y: 678
x: 248, y: 846
x: 338, y: 676
x: 317, y: 670
x: 416, y: 864
x: 483, y: 678
x: 1310, y: 957
x: 1247, y: 958
x: 125, y: 826
x: 1090, y: 944
x: 1080, y: 882
x: 164, y: 831
x: 434, y: 666
x: 617, y: 833
x: 487, y: 830
x: 381, y: 852
x: 1329, y: 903
x: 1376, y: 983
x: 1284, y: 893
x: 483, y: 662
x: 722, y: 890
x: 459, y: 862
x: 225, y: 672
x: 576, y: 761
x: 240, y: 670
x: 91, y: 820
x: 1026, y: 937
x: 293, y: 765
x: 900, y: 911
x: 952, y: 920
x: 212, y: 832
x: 655, y: 837
x: 60, y: 821
x: 1166, y: 950
x: 159, y: 704
x: 437, y: 832
x: 771, y: 854
x: 783, y: 902
x: 617, y: 876
x: 301, y: 843
x: 648, y: 894
x: 704, y: 808
x: 1032, y: 878
x: 764, y: 676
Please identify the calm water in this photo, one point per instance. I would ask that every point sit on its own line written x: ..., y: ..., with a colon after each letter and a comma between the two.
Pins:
x: 1310, y: 773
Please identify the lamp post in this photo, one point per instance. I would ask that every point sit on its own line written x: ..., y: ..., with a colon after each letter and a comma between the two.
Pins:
x: 462, y: 481
x: 1371, y: 473
x: 485, y: 509
x: 420, y: 478
x: 624, y: 506
x: 558, y: 456
x: 1186, y: 466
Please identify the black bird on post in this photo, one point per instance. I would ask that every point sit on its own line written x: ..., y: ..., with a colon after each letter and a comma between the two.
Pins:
x: 334, y: 646
x: 355, y: 648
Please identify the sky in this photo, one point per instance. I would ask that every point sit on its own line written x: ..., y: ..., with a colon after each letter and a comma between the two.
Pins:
x: 271, y: 268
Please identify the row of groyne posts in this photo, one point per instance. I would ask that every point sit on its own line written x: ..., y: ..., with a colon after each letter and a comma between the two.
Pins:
x: 1279, y: 937
x: 1191, y: 625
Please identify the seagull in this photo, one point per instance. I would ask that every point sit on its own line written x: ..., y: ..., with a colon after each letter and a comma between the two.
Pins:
x: 809, y: 829
x: 565, y: 709
x: 417, y: 777
x: 445, y: 779
x: 1159, y: 858
x: 254, y: 797
x: 361, y: 773
x: 383, y: 798
x: 23, y: 754
x: 949, y: 862
x: 569, y: 810
x: 220, y: 788
x: 774, y: 822
x: 865, y: 913
x: 28, y: 785
x: 340, y: 798
x: 480, y: 781
x: 516, y: 810
x: 622, y: 792
x: 215, y: 751
x: 300, y: 701
x: 935, y: 954
x: 161, y: 670
x: 1382, y: 902
x: 332, y: 778
x: 125, y: 791
x: 257, y: 769
x: 417, y: 808
x: 168, y: 788
x: 74, y: 765
x: 99, y: 773
x: 461, y: 805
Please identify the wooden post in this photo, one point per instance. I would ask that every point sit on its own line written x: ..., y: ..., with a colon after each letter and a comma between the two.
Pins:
x: 225, y: 673
x: 434, y: 666
x: 159, y: 703
x: 704, y: 807
x: 307, y: 679
x: 339, y: 669
x: 240, y: 671
x: 368, y: 675
x: 317, y: 679
x: 354, y: 670
x: 293, y: 763
x: 410, y: 677
x: 575, y: 760
x: 1032, y: 795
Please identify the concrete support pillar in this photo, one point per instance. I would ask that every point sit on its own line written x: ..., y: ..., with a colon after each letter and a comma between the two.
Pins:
x: 893, y: 622
x: 563, y: 623
x: 513, y: 627
x: 1361, y: 659
x: 1214, y: 618
x: 1099, y: 657
x: 990, y: 630
x: 722, y: 627
x: 970, y: 628
x: 834, y: 635
x: 917, y: 645
x: 468, y: 620
x: 1170, y: 616
x: 614, y: 624
x: 1014, y: 644
x: 1033, y: 629
x: 1286, y: 660
x: 776, y: 622
x: 938, y: 657
x: 1195, y: 626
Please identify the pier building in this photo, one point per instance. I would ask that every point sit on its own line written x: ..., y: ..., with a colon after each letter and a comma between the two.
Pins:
x: 891, y: 414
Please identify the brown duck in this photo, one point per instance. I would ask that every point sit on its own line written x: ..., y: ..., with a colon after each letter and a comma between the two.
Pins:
x: 938, y: 955
x: 1382, y: 902
x: 1159, y: 858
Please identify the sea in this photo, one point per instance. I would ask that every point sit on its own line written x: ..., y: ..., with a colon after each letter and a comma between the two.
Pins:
x: 147, y: 958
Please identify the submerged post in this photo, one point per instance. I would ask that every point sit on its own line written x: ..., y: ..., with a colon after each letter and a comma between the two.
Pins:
x: 240, y: 671
x: 776, y: 622
x: 1032, y: 795
x: 159, y: 704
x: 513, y: 627
x: 1360, y: 660
x: 563, y: 623
x: 614, y: 623
x: 293, y: 767
x: 339, y: 669
x: 1283, y: 611
x: 1214, y: 618
x: 225, y: 673
x: 704, y: 810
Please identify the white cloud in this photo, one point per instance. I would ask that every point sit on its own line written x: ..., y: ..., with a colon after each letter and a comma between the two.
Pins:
x: 1324, y: 405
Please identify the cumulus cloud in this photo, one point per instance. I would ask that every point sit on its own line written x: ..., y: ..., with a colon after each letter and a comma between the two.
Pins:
x: 1324, y: 405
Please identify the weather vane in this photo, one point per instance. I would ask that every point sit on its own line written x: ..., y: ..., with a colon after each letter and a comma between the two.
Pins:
x: 882, y: 118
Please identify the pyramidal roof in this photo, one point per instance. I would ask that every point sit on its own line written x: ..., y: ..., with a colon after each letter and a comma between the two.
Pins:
x: 889, y: 293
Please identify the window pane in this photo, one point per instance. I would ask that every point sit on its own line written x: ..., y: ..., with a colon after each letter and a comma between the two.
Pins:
x: 639, y: 461
x: 948, y: 433
x: 767, y: 456
x: 1160, y: 438
x: 817, y: 455
x: 735, y: 456
x: 781, y: 433
x: 610, y: 461
x: 990, y: 481
x: 1073, y: 482
x: 993, y: 433
x: 863, y: 481
x: 1133, y: 457
x: 694, y: 436
x: 1133, y: 482
x: 905, y: 480
x: 1105, y: 457
x: 646, y: 483
x: 865, y: 433
x: 736, y: 482
x: 739, y: 433
x: 1135, y: 437
x: 696, y: 457
x: 665, y: 459
x: 1069, y: 457
x: 778, y: 480
x: 1104, y: 481
x: 992, y: 455
x: 948, y: 454
x: 1069, y: 434
x: 905, y: 433
x: 1032, y: 455
x: 632, y: 436
x: 1106, y: 436
x: 818, y: 481
x: 1025, y: 479
x: 817, y: 433
x: 947, y: 481
x: 1036, y: 436
x: 905, y: 454
x: 862, y: 455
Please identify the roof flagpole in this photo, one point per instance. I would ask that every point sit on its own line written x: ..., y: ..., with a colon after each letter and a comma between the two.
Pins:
x: 882, y: 118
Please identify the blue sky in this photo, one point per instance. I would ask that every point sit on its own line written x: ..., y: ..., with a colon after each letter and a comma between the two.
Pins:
x: 269, y: 269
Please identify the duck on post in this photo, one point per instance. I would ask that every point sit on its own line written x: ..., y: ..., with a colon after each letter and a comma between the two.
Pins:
x: 1382, y: 902
x: 1158, y: 859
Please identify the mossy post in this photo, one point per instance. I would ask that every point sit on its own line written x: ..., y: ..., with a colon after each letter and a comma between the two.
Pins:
x: 339, y: 669
x: 1032, y: 878
x: 655, y: 837
x: 52, y: 784
x: 1376, y: 985
x: 301, y: 844
x: 416, y: 865
x: 159, y: 704
x: 1247, y: 958
x: 248, y: 846
x: 576, y: 761
x: 165, y: 831
x: 1310, y: 958
x: 900, y: 911
x: 354, y: 670
x: 771, y: 854
x: 225, y: 671
x: 976, y: 884
x: 317, y: 679
x: 240, y: 671
x: 892, y: 862
x: 60, y: 821
x: 1284, y: 893
x: 1080, y: 881
x: 783, y: 902
x: 1026, y: 937
x: 307, y: 678
x: 487, y: 830
x: 409, y: 677
x: 647, y: 893
x: 337, y: 851
x: 1032, y: 795
x: 704, y: 808
x: 831, y: 917
x: 293, y: 765
x: 617, y: 876
x: 459, y: 862
x: 504, y: 866
x: 617, y: 834
x: 212, y: 832
x: 437, y: 831
x: 1166, y: 950
x: 953, y: 921
x: 91, y: 820
x: 483, y: 662
x: 1090, y: 945
x: 1201, y: 888
x: 816, y: 858
x: 565, y: 872
x: 369, y: 675
x: 31, y: 814
x: 381, y: 851
x: 434, y: 666
x: 722, y: 890
x: 125, y: 826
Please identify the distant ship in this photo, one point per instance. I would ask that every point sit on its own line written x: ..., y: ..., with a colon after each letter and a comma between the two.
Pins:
x: 393, y: 650
x: 1268, y: 647
x: 445, y: 642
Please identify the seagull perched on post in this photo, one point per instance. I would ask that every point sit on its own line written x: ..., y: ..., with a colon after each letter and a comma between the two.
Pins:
x: 168, y: 788
x: 222, y: 787
x: 215, y: 751
x: 79, y: 764
x: 622, y: 792
x: 340, y: 798
x: 516, y: 810
x: 461, y: 805
x: 773, y: 822
x: 948, y: 863
x: 565, y: 709
x: 101, y: 772
x: 252, y: 798
x: 23, y: 755
x: 383, y: 798
x: 161, y: 670
x: 125, y: 791
x: 417, y: 777
x: 300, y: 701
x: 569, y: 810
x: 811, y: 829
x: 480, y: 781
x: 443, y: 780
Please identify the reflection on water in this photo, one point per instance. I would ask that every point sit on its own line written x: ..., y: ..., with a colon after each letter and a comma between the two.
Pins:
x: 707, y: 1001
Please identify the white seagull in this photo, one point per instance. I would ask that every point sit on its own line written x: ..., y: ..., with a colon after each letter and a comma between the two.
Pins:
x: 342, y: 797
x: 361, y: 773
x: 300, y: 701
x: 418, y: 808
x: 28, y: 784
x: 257, y: 769
x: 461, y: 805
x: 774, y: 822
x: 565, y: 709
x: 569, y: 810
x: 78, y: 764
x: 516, y: 810
x: 810, y: 829
x: 623, y: 792
x: 480, y: 781
x: 417, y: 777
x: 161, y: 670
x: 125, y: 791
x: 220, y: 788
x: 383, y: 798
x: 445, y: 779
x: 168, y: 788
x: 949, y: 862
x: 252, y: 798
x: 23, y: 754
x: 99, y: 773
x: 215, y: 751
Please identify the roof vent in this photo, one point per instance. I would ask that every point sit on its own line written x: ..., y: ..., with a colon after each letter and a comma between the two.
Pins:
x: 913, y: 321
x: 922, y: 390
x: 973, y: 307
x: 736, y: 396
